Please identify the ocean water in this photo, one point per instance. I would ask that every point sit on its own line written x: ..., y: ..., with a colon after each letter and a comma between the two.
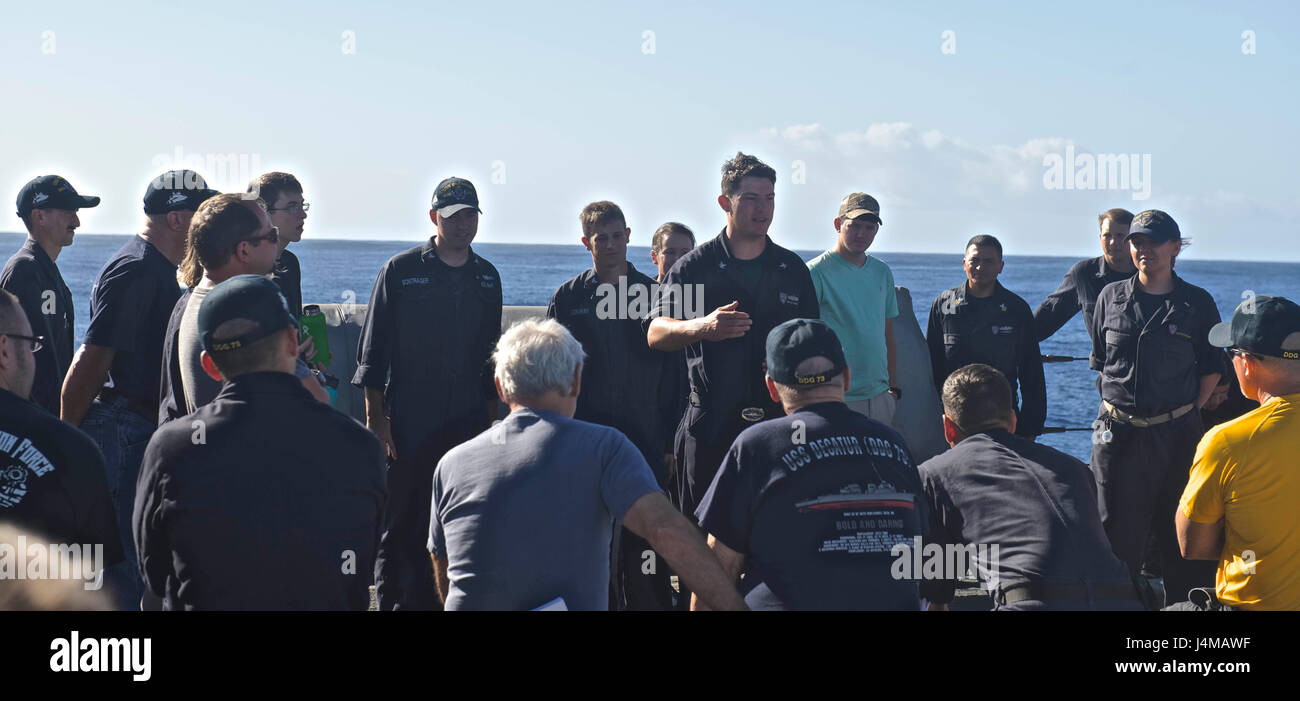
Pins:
x: 344, y: 271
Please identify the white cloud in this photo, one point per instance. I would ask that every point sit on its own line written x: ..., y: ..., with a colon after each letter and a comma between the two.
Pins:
x: 939, y: 187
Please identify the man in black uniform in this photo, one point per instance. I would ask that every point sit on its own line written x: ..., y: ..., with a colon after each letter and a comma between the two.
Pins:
x: 51, y: 475
x: 784, y: 508
x: 1083, y: 283
x: 1150, y: 341
x: 112, y: 387
x: 751, y: 285
x: 265, y: 498
x: 48, y: 207
x: 284, y: 200
x: 425, y: 361
x: 982, y: 322
x: 1036, y: 505
x: 605, y: 308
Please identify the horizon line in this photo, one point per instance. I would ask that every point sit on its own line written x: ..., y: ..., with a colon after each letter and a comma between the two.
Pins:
x: 1191, y: 257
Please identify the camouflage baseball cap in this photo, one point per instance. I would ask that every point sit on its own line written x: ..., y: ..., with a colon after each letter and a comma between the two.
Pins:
x: 858, y: 204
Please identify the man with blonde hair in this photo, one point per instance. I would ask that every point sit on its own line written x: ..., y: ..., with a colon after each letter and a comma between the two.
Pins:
x: 524, y: 512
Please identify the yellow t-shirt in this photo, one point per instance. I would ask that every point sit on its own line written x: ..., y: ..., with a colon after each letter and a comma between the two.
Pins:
x: 1247, y: 471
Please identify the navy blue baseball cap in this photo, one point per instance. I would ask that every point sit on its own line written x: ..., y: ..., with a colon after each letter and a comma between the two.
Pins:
x: 251, y: 307
x: 176, y: 191
x: 453, y: 195
x: 797, y: 340
x: 51, y: 192
x: 1154, y: 223
x: 1264, y: 325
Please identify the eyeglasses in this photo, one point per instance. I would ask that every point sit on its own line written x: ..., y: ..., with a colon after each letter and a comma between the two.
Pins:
x: 37, y: 342
x: 273, y: 237
x: 1243, y: 353
x: 295, y: 208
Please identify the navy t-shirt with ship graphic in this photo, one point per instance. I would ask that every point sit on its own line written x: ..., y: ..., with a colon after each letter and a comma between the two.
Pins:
x: 816, y: 501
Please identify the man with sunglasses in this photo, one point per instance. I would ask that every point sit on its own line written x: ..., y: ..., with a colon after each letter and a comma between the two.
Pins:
x: 51, y: 475
x: 1238, y: 507
x: 231, y: 235
x: 48, y: 207
x: 111, y: 390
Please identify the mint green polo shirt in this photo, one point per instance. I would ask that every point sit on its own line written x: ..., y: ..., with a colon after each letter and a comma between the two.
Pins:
x: 855, y: 302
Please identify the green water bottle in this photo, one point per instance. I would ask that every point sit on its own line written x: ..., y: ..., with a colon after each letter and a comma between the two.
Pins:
x: 313, y: 325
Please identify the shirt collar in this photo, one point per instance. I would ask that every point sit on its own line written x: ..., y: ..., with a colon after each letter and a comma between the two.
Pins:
x: 429, y: 253
x: 42, y: 257
x: 263, y: 383
x: 726, y: 247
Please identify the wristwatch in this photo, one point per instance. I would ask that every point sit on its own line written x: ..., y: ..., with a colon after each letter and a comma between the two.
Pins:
x: 896, y: 391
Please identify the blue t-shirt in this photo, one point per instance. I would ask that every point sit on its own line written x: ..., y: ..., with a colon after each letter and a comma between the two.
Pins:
x: 130, y: 305
x: 816, y: 502
x: 524, y: 511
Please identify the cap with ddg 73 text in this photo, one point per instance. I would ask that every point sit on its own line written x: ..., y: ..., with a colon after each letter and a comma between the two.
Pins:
x: 857, y: 204
x: 1154, y: 223
x: 240, y: 311
x: 797, y: 340
x: 51, y: 192
x: 1263, y: 325
x: 453, y: 195
x: 176, y: 191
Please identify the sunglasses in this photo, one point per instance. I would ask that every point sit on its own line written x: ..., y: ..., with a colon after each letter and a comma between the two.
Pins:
x: 273, y: 237
x: 37, y: 342
x: 1243, y: 353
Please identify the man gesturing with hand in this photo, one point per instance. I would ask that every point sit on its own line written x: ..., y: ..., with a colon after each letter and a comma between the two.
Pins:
x: 751, y: 285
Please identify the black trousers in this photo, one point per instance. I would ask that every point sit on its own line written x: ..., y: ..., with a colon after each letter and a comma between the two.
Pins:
x: 1140, y: 477
x: 403, y: 571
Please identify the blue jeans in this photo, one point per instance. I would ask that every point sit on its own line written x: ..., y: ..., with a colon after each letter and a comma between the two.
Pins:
x: 122, y: 436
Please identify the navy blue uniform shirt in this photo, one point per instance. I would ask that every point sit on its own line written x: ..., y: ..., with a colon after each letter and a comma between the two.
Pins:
x: 1037, y: 504
x: 52, y: 480
x: 622, y: 376
x: 816, y: 501
x: 997, y: 330
x: 727, y: 376
x: 428, y: 339
x: 1153, y: 350
x: 34, y: 279
x: 264, y: 499
x: 1078, y: 291
x: 287, y: 275
x: 129, y: 308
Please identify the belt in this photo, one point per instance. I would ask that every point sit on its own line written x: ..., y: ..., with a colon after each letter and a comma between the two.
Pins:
x: 750, y: 414
x: 1043, y: 591
x: 1144, y: 421
x: 135, y: 405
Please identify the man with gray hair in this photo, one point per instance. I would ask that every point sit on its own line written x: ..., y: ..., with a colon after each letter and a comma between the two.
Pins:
x: 1033, y: 507
x: 523, y: 513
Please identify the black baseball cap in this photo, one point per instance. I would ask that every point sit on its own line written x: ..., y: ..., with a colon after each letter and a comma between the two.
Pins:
x: 797, y: 340
x: 51, y: 192
x: 176, y: 191
x: 453, y: 195
x: 253, y: 299
x: 1154, y: 223
x: 1263, y: 325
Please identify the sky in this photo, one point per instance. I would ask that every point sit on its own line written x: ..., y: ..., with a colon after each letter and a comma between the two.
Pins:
x: 957, y: 116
